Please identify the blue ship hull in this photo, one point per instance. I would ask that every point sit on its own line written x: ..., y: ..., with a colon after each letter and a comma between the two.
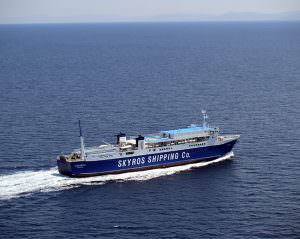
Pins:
x: 143, y: 162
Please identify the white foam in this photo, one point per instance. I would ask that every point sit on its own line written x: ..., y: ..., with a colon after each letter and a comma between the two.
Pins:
x: 27, y: 182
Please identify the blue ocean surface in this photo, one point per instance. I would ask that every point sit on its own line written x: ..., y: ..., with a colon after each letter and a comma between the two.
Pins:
x: 140, y: 78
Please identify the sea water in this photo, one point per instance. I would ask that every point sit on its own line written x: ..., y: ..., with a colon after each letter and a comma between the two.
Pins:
x: 142, y: 78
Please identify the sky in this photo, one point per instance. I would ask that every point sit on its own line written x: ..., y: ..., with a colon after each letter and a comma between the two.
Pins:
x: 54, y: 11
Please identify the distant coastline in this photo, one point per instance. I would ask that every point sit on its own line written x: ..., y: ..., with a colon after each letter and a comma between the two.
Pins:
x: 290, y: 16
x: 148, y: 22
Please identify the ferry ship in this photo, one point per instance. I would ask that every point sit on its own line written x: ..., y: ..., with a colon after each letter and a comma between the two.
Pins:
x: 167, y: 148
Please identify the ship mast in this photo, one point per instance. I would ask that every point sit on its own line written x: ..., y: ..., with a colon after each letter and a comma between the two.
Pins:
x: 205, y: 117
x: 82, y: 151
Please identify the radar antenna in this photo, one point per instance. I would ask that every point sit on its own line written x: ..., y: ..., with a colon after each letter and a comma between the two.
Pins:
x: 205, y: 117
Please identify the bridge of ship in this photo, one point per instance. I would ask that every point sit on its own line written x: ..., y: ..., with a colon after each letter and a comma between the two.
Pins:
x: 170, y: 135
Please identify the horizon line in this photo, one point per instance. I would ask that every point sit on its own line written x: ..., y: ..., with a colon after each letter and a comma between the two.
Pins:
x: 149, y: 21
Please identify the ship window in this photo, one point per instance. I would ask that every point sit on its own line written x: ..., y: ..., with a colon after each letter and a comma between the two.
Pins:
x: 129, y: 152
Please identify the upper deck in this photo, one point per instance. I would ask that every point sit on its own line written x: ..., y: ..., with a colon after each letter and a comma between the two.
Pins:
x: 191, y: 129
x: 179, y: 134
x: 201, y: 134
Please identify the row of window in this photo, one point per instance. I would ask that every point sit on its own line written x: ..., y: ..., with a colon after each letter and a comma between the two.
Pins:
x: 154, y: 146
x: 177, y: 142
x: 162, y: 149
x: 127, y: 153
x: 201, y: 144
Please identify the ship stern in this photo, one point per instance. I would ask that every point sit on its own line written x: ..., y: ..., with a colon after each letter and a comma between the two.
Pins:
x: 64, y: 167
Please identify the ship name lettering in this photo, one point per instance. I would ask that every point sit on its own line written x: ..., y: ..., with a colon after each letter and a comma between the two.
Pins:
x: 162, y: 157
x: 151, y: 159
x: 185, y: 155
x: 131, y: 162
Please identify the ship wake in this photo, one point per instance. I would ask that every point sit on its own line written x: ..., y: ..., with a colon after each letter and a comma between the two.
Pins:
x: 28, y: 182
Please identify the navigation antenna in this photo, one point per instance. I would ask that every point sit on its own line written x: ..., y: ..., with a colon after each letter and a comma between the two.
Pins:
x: 82, y: 151
x: 205, y: 117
